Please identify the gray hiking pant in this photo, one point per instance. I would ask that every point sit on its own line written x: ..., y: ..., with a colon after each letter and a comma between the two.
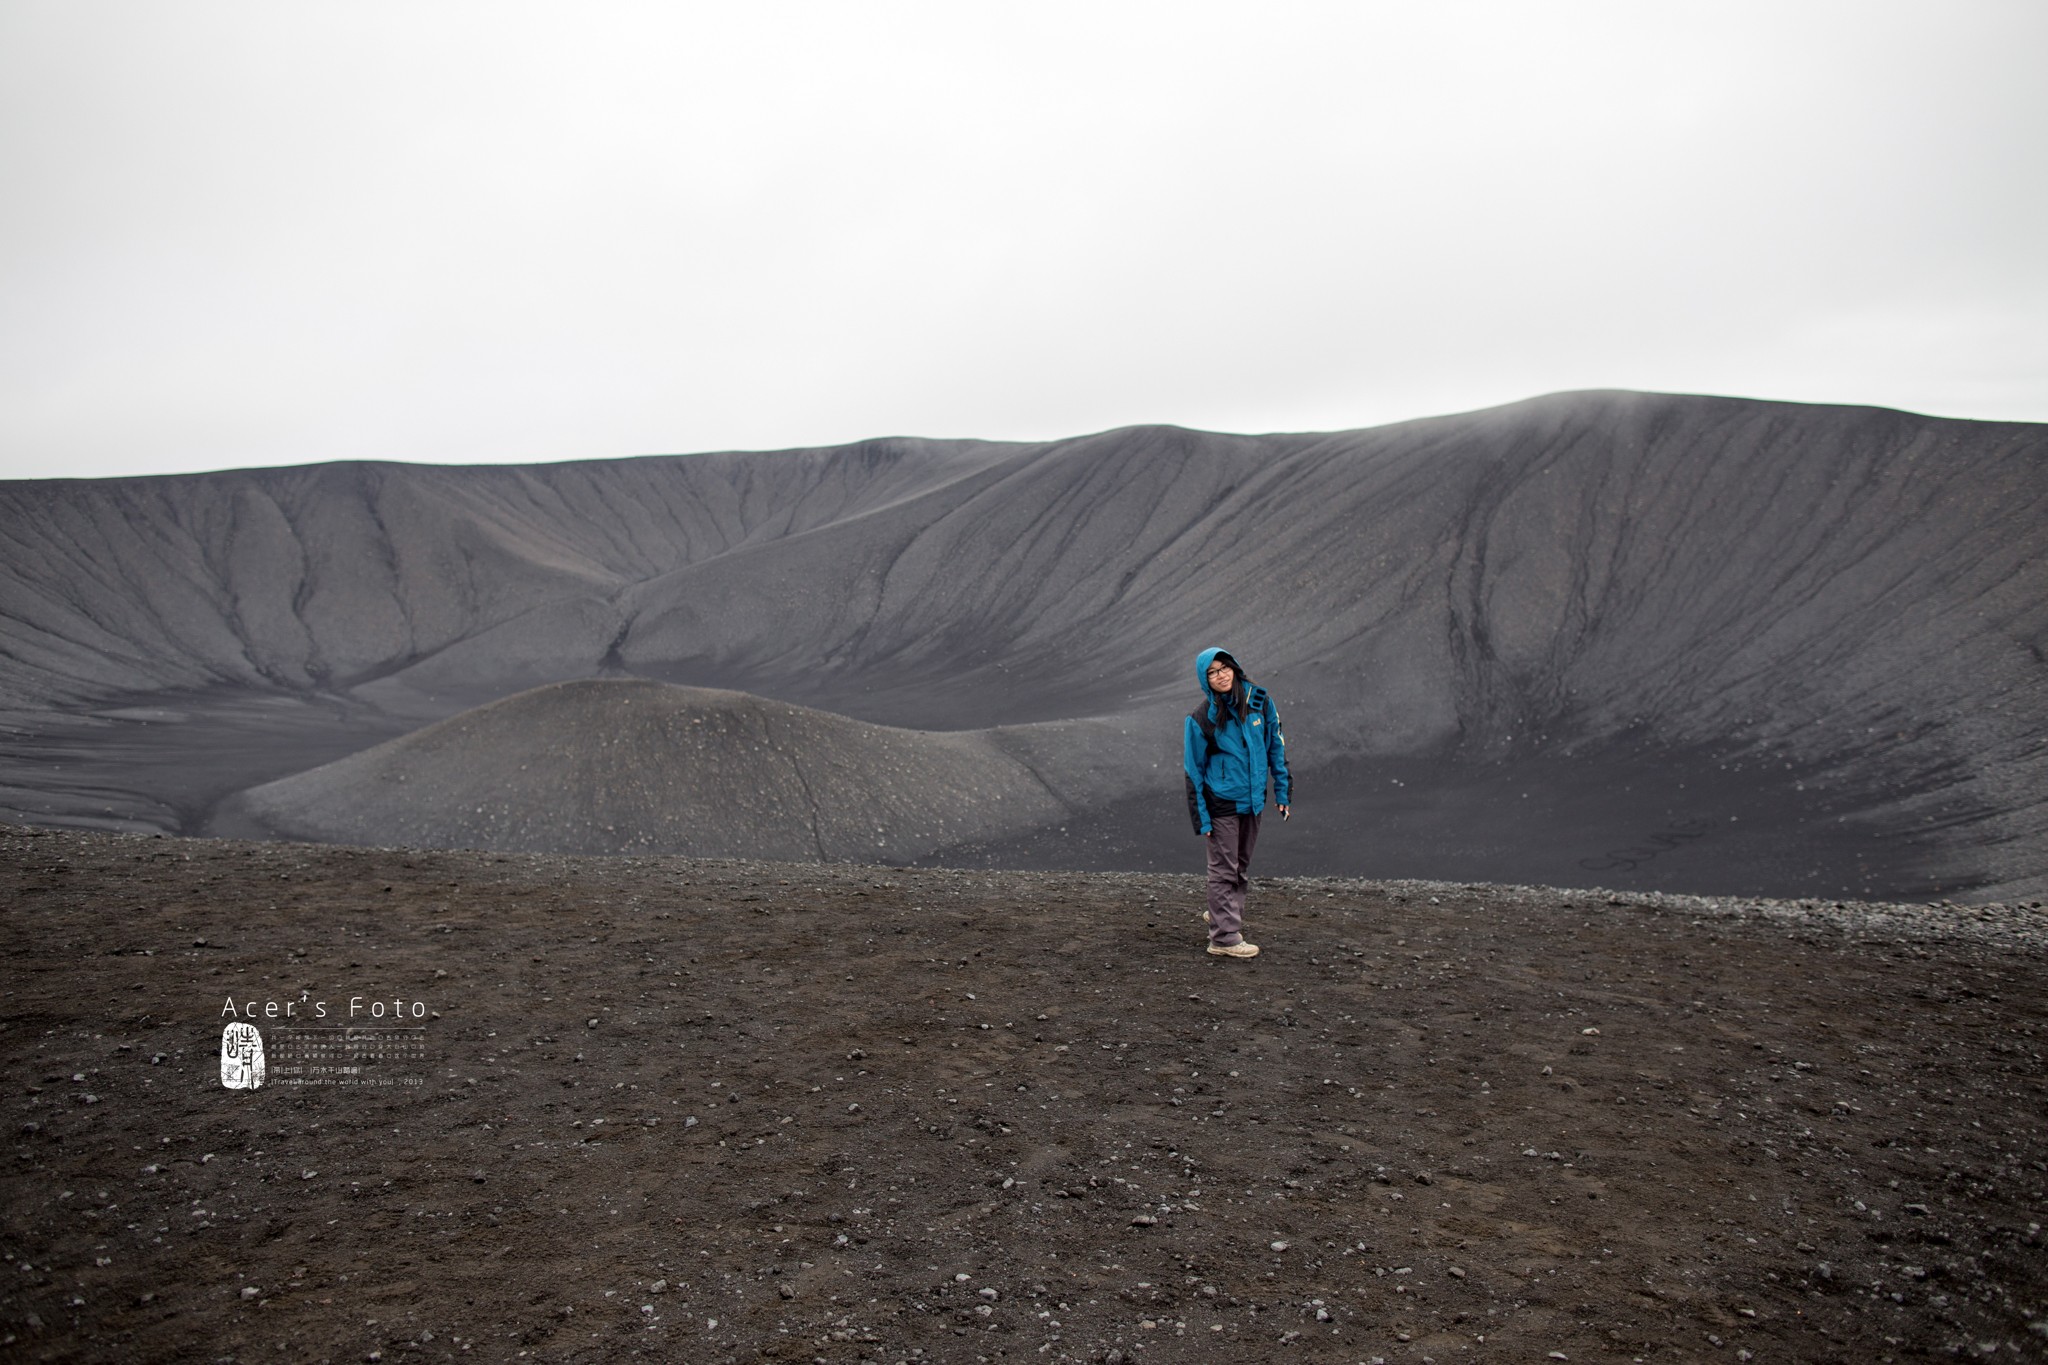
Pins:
x: 1230, y: 858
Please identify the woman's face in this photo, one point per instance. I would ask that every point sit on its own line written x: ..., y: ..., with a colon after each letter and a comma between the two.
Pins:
x: 1222, y: 677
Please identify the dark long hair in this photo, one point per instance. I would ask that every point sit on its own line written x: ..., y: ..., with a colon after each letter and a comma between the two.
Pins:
x: 1237, y: 700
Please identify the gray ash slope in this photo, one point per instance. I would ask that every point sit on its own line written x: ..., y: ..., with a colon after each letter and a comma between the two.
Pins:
x: 1584, y: 638
x: 565, y: 768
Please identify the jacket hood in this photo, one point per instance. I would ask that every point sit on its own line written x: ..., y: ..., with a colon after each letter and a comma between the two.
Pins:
x: 1210, y: 656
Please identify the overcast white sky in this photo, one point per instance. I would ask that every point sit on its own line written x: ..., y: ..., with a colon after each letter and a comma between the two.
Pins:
x: 269, y: 233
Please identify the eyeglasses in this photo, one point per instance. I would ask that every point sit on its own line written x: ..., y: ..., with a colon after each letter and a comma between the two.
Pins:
x: 1221, y: 668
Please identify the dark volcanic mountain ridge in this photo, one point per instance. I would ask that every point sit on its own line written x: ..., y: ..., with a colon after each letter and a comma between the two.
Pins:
x: 1830, y: 619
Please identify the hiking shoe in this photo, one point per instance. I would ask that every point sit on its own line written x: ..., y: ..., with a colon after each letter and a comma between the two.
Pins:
x: 1234, y: 950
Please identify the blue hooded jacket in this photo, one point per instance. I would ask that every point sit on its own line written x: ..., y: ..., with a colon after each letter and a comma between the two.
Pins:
x: 1248, y: 749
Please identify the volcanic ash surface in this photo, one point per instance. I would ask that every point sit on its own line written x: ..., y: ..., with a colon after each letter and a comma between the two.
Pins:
x: 631, y: 765
x: 735, y: 1111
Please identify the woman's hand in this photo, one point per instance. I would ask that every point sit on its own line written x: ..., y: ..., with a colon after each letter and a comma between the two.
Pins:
x: 1283, y: 812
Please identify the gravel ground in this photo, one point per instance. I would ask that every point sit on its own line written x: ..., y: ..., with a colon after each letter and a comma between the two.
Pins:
x: 712, y: 1111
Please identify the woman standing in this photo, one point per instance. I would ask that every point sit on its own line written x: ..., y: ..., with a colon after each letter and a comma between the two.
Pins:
x: 1231, y: 746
